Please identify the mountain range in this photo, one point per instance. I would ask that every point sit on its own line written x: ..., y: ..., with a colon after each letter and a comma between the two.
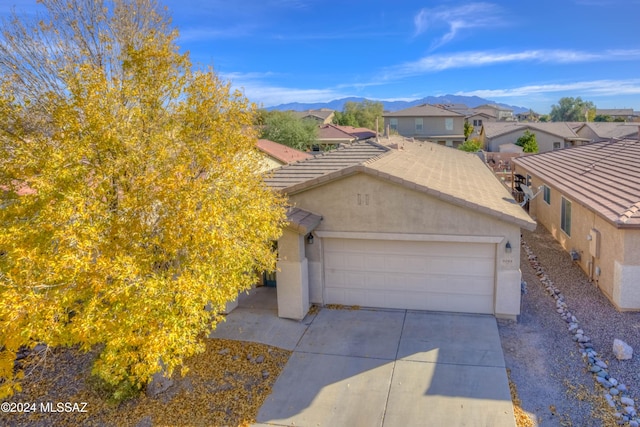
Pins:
x: 338, y: 104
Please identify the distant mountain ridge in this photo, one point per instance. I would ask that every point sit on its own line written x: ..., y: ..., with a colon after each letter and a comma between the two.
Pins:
x: 338, y: 104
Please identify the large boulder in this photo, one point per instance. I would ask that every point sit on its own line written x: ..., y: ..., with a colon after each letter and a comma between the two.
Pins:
x: 622, y: 350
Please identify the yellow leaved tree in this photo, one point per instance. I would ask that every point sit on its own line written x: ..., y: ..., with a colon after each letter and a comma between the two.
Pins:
x: 129, y: 191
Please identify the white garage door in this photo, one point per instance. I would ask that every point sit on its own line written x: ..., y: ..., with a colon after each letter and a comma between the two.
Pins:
x: 439, y: 276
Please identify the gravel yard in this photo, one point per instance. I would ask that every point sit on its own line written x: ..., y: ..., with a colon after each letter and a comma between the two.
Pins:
x: 546, y: 365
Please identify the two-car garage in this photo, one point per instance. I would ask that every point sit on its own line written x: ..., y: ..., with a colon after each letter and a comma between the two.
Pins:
x: 422, y: 275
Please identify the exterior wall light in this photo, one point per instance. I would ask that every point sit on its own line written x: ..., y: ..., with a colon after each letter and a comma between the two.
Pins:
x: 310, y: 238
x: 507, y: 247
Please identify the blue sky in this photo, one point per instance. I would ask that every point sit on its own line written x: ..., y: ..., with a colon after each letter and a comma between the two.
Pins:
x: 525, y: 53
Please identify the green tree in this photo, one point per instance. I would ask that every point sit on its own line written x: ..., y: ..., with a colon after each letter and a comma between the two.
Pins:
x: 361, y: 114
x: 602, y: 118
x: 528, y: 142
x: 471, y: 146
x: 572, y: 110
x: 468, y: 129
x: 286, y: 128
x: 130, y: 197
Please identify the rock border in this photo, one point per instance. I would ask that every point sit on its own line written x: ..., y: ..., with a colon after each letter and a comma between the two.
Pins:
x: 616, y: 393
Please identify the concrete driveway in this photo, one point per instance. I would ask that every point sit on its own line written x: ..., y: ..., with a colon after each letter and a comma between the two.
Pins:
x: 380, y: 368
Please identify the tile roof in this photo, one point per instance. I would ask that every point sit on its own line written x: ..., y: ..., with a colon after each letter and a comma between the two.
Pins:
x: 606, y: 130
x: 424, y: 110
x: 302, y: 221
x: 603, y: 176
x: 281, y: 152
x: 329, y: 131
x: 288, y: 176
x: 360, y: 133
x: 322, y: 113
x: 451, y: 175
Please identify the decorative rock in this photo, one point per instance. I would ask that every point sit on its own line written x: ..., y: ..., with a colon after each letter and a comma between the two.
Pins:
x: 602, y: 374
x: 224, y: 351
x: 621, y: 387
x: 595, y: 369
x: 630, y: 410
x: 613, y: 381
x: 601, y: 364
x: 622, y: 350
x: 614, y: 391
x: 158, y: 384
x: 627, y: 401
x: 260, y: 359
x: 634, y: 423
x: 265, y: 374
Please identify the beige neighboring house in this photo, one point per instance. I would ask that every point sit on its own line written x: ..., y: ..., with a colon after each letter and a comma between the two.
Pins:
x: 626, y: 114
x: 322, y: 116
x: 590, y: 202
x: 427, y: 123
x: 276, y: 155
x: 549, y: 136
x: 500, y: 113
x: 422, y: 227
x: 604, y: 131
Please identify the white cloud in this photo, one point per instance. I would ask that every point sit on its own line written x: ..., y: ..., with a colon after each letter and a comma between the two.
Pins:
x: 435, y: 63
x: 456, y: 19
x: 594, y: 87
x: 256, y: 89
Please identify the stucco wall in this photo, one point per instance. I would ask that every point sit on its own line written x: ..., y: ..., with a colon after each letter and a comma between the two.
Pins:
x: 430, y: 126
x: 545, y: 140
x: 617, y: 246
x: 362, y: 203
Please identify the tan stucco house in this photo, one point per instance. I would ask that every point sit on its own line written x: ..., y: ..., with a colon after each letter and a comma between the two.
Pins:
x: 604, y: 131
x: 322, y: 115
x: 420, y: 227
x: 549, y: 136
x: 590, y: 202
x: 427, y: 123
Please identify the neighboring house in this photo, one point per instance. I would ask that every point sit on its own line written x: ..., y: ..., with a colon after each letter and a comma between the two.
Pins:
x: 603, y: 131
x: 590, y: 202
x: 358, y: 133
x: 276, y: 155
x: 331, y: 136
x: 549, y: 136
x: 322, y: 116
x: 529, y: 116
x: 626, y: 114
x: 500, y: 113
x: 427, y: 123
x: 424, y: 227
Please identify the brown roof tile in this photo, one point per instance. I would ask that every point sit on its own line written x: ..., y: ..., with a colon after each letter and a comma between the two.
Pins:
x: 281, y: 152
x: 603, y: 176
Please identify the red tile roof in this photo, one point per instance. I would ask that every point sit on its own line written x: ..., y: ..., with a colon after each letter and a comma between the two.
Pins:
x: 603, y: 176
x: 333, y: 132
x: 281, y: 152
x: 360, y: 133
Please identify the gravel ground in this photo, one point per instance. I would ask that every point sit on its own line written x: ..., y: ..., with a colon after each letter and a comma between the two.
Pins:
x: 546, y: 365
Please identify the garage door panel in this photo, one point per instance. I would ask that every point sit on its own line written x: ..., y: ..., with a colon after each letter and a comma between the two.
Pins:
x: 411, y: 275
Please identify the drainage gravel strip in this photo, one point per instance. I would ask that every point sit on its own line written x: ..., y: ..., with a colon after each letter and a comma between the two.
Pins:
x: 616, y: 393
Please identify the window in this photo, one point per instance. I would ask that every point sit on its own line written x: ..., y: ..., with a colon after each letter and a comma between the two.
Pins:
x: 565, y: 216
x: 419, y: 123
x: 477, y: 122
x: 393, y: 124
x: 546, y: 192
x: 448, y: 124
x: 556, y: 145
